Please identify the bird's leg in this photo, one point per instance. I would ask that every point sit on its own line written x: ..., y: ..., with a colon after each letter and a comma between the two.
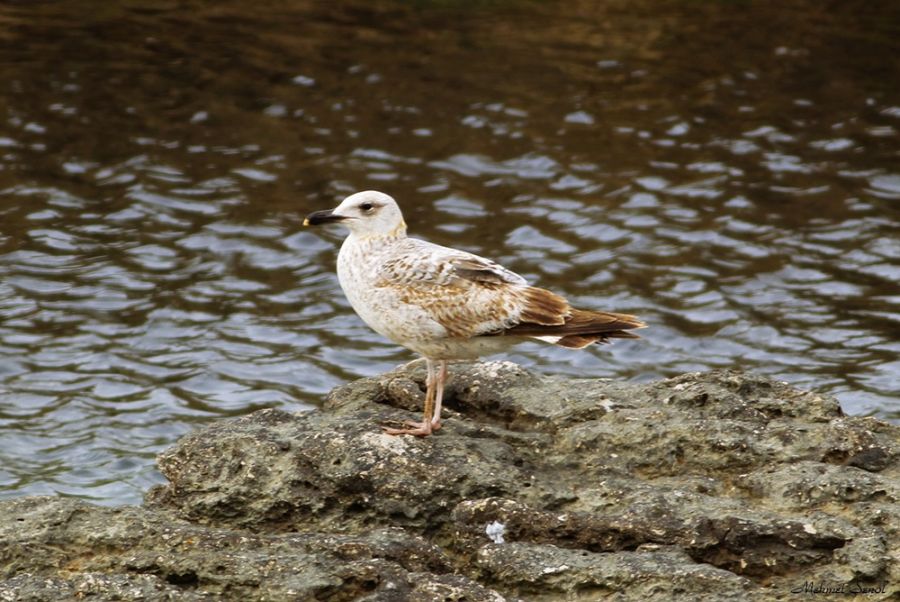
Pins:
x: 424, y: 428
x: 430, y: 389
x: 439, y: 394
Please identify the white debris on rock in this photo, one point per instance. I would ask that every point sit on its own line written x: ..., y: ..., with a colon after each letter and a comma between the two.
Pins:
x: 495, y: 531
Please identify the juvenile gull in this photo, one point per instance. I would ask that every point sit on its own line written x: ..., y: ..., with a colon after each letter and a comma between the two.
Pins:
x: 446, y: 304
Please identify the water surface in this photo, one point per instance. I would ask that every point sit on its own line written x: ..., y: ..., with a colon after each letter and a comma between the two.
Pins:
x: 726, y: 170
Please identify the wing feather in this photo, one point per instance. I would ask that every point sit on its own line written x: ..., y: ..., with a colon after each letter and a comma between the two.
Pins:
x: 479, y: 269
x: 467, y: 294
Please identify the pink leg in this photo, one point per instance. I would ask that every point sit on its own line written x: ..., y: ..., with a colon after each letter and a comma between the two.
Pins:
x: 439, y: 394
x: 424, y: 428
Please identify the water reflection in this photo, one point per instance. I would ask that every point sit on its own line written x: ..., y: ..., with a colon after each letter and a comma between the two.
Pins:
x: 155, y: 161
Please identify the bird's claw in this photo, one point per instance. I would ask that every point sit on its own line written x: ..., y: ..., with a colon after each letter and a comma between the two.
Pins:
x: 418, y: 429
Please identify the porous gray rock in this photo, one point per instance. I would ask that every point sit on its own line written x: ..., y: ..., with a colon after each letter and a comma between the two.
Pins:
x: 714, y: 486
x: 63, y: 549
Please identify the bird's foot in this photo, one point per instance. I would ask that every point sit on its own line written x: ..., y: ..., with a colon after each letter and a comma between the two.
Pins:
x: 435, y: 425
x: 419, y: 429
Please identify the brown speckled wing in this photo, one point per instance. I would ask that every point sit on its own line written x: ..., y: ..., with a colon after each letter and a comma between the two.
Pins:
x: 468, y: 295
x: 471, y: 296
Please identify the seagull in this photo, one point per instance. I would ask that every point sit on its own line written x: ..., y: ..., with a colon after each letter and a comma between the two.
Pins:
x: 447, y: 304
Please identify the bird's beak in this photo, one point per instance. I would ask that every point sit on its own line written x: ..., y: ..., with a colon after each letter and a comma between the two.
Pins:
x: 317, y: 218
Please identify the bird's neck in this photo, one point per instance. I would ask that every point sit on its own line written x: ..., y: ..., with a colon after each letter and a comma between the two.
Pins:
x: 363, y: 249
x: 398, y: 233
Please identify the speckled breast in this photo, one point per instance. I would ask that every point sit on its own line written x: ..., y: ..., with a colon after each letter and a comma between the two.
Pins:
x: 379, y: 305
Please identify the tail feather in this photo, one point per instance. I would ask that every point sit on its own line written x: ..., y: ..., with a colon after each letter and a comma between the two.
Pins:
x: 583, y: 322
x: 543, y: 307
x: 577, y: 341
x: 573, y: 328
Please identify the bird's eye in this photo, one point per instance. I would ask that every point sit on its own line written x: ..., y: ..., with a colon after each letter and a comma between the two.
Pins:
x: 367, y: 207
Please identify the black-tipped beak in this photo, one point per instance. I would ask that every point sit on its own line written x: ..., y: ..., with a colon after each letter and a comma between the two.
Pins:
x: 317, y: 218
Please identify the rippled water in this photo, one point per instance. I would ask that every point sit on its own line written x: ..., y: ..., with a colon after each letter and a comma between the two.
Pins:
x: 727, y: 170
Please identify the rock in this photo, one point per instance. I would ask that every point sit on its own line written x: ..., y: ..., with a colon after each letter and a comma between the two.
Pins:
x: 720, y: 486
x: 57, y: 549
x: 27, y: 587
x: 543, y: 572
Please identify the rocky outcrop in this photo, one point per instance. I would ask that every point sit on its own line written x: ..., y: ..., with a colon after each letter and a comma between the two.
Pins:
x: 56, y: 547
x: 714, y: 486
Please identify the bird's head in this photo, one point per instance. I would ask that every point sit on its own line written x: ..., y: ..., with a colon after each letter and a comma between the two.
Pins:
x: 367, y: 213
